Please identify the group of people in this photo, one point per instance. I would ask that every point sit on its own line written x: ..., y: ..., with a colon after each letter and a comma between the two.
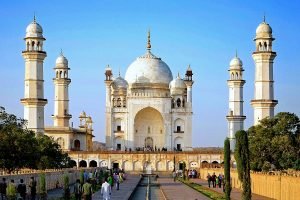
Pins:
x: 113, y: 179
x: 217, y: 181
x: 150, y: 149
x: 13, y: 191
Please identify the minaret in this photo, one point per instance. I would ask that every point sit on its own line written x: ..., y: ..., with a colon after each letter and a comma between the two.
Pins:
x: 235, y: 83
x: 108, y: 105
x: 34, y: 56
x: 263, y: 102
x: 189, y: 83
x: 61, y: 82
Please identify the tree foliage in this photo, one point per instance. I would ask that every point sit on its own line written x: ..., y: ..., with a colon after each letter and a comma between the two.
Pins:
x: 241, y: 154
x: 227, y: 168
x: 20, y: 148
x: 275, y: 143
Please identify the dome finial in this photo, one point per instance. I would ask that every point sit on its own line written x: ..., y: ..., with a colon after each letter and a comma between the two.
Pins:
x: 264, y: 16
x: 236, y: 54
x: 61, y: 52
x: 119, y: 72
x: 149, y: 41
x: 34, y: 20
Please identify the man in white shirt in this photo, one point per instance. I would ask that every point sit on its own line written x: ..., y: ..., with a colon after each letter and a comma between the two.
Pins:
x: 106, y: 190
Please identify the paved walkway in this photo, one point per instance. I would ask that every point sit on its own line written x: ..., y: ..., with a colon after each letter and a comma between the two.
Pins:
x: 126, y: 188
x: 177, y: 190
x: 236, y: 194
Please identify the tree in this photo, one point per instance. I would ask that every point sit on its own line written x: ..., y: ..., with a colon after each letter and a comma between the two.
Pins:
x: 43, y: 190
x: 227, y: 168
x: 275, y: 143
x: 241, y: 154
x: 20, y: 148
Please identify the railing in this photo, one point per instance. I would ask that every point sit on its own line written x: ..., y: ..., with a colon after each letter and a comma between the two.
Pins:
x: 146, y: 152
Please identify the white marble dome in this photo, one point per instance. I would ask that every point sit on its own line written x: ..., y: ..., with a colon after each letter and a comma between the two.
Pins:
x: 236, y: 63
x: 264, y: 28
x: 150, y: 68
x: 119, y: 83
x: 34, y: 30
x: 178, y: 83
x: 61, y: 60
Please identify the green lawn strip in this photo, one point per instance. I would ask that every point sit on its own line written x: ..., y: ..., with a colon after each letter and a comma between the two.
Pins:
x: 203, y: 190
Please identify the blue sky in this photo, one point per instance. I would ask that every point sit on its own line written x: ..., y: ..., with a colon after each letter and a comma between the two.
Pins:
x: 204, y: 34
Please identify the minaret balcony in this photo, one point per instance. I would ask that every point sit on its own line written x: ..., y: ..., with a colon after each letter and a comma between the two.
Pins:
x: 119, y: 109
x: 119, y: 133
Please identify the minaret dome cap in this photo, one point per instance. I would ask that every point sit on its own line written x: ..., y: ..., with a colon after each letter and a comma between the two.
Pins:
x: 61, y: 60
x: 263, y: 29
x: 236, y: 62
x: 34, y: 30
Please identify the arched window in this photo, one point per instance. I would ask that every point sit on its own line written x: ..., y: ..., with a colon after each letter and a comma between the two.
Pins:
x: 259, y: 47
x: 236, y: 75
x: 173, y: 103
x: 178, y: 102
x: 60, y: 74
x: 265, y: 46
x: 77, y: 145
x: 232, y: 76
x: 65, y: 74
x: 32, y: 45
x: 119, y: 102
x: 38, y: 46
x: 124, y: 102
x: 56, y: 74
x: 82, y: 163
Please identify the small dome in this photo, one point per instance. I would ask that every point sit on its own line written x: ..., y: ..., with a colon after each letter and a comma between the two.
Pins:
x: 34, y: 30
x: 119, y: 83
x: 61, y: 60
x: 236, y: 62
x: 264, y: 29
x: 150, y: 67
x: 82, y: 114
x: 178, y: 83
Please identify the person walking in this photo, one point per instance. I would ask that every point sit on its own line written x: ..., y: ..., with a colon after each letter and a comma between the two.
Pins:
x: 117, y: 180
x: 11, y: 190
x: 106, y: 190
x: 110, y: 181
x: 208, y: 179
x: 87, y: 190
x: 3, y: 187
x: 32, y: 186
x: 220, y: 180
x: 77, y: 190
x: 213, y: 179
x: 22, y: 189
x: 174, y: 176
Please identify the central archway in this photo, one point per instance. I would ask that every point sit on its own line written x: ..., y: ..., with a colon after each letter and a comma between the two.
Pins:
x: 149, y: 128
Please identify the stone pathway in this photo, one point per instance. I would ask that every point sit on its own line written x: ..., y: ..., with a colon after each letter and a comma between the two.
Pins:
x: 236, y: 194
x: 126, y: 188
x: 178, y: 191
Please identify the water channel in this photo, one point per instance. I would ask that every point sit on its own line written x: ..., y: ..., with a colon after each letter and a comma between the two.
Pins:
x: 148, y: 189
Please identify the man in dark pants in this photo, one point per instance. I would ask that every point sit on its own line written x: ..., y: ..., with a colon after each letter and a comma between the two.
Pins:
x: 32, y: 186
x: 213, y: 179
x: 3, y: 186
x: 22, y: 189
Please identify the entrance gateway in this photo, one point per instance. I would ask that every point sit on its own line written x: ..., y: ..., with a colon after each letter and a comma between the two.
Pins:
x: 149, y: 142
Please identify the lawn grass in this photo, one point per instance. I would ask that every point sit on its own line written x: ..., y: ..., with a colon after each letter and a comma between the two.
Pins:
x: 204, y: 190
